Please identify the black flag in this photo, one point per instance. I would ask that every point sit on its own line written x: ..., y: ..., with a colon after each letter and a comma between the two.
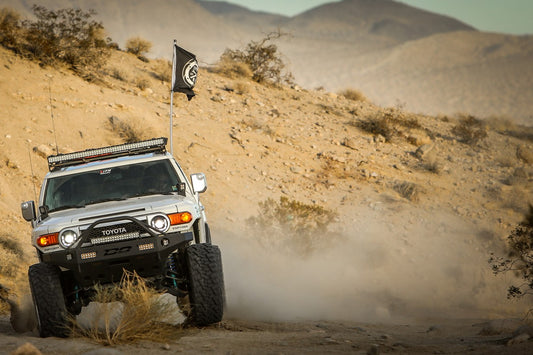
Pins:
x: 184, y: 71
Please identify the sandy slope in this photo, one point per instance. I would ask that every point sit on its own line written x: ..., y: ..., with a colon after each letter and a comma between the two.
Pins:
x: 390, y: 261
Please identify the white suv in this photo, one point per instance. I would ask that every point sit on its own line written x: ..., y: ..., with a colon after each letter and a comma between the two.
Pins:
x: 126, y: 207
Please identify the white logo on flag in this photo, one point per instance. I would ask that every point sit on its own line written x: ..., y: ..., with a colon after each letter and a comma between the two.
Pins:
x: 190, y: 71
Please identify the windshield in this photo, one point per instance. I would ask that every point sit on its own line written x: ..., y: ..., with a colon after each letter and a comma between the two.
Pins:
x: 110, y: 184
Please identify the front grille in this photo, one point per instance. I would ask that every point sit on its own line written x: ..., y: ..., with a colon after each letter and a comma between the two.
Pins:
x: 114, y: 233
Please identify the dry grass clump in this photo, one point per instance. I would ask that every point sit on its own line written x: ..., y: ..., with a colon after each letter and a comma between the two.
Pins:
x: 233, y: 69
x: 353, y: 94
x: 470, y: 130
x: 292, y: 226
x: 138, y: 46
x: 142, y: 83
x: 408, y: 190
x: 145, y: 315
x: 130, y: 131
x: 388, y: 123
x: 119, y: 74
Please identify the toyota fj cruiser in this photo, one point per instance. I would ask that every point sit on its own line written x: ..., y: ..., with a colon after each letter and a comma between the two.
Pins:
x: 120, y: 208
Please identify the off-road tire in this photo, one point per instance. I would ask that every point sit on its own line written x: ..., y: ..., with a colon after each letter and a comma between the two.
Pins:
x: 206, y: 284
x: 48, y: 300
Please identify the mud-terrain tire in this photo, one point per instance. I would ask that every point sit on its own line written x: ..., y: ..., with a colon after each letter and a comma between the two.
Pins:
x: 48, y: 300
x: 206, y: 284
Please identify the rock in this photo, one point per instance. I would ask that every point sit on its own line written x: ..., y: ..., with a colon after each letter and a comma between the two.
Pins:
x: 43, y: 150
x: 524, y: 154
x: 518, y: 339
x: 379, y: 139
x: 350, y: 143
x: 374, y: 350
x: 424, y: 150
x: 26, y: 349
x: 500, y: 326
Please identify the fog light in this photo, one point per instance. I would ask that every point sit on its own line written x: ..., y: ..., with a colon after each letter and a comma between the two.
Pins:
x: 146, y: 246
x: 89, y: 255
x: 164, y: 242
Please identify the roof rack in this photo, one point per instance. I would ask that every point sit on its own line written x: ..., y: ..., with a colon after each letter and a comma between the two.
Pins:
x: 114, y: 151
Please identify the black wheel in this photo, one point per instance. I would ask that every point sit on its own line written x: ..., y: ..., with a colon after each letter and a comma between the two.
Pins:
x: 48, y: 300
x: 205, y: 284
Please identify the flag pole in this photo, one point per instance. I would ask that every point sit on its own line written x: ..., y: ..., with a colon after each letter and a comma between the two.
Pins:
x: 172, y: 92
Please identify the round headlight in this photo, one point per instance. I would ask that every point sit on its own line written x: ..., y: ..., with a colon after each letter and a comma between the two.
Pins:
x: 160, y: 223
x: 67, y: 238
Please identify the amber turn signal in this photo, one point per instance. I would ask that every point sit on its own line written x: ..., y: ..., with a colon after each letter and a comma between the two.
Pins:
x: 180, y: 218
x: 48, y: 239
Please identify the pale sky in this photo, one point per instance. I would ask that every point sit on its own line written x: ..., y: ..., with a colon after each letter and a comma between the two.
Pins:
x: 506, y: 16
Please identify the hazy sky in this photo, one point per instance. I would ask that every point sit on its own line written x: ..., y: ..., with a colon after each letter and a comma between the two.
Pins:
x: 507, y: 16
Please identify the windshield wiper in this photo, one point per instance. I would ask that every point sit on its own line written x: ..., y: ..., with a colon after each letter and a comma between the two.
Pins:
x: 105, y: 200
x: 66, y: 207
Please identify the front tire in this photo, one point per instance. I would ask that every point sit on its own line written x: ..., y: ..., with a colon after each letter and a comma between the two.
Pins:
x: 48, y: 300
x: 205, y: 284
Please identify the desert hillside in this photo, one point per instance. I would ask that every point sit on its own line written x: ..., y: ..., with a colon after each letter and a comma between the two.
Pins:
x: 398, y: 55
x: 417, y: 206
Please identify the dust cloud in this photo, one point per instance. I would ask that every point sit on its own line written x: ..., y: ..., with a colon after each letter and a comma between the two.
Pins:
x: 390, y: 266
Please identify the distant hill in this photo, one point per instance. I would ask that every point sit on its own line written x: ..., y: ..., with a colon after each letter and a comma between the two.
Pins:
x: 396, y: 54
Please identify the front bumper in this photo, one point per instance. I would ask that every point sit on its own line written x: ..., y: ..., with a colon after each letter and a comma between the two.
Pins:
x: 106, y: 263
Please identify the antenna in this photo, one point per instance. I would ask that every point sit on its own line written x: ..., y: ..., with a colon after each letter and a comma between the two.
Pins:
x: 52, y: 111
x: 32, y: 175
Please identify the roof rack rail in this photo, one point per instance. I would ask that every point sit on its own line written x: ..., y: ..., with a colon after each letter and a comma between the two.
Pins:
x: 114, y: 151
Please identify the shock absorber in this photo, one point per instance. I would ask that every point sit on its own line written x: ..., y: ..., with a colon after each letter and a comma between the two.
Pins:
x: 172, y: 272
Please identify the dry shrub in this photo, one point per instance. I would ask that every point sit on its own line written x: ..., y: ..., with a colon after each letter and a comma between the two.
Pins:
x: 144, y: 315
x: 332, y: 167
x: 240, y: 87
x: 470, y: 130
x: 10, y: 27
x: 142, y: 83
x: 292, y: 226
x: 263, y: 58
x: 233, y: 69
x: 66, y: 35
x: 130, y: 131
x: 119, y: 74
x: 407, y: 189
x: 162, y: 70
x: 138, y: 46
x: 519, y: 259
x: 353, y: 94
x: 389, y: 123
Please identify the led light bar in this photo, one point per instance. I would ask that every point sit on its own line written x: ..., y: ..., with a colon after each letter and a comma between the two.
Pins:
x: 89, y: 255
x: 146, y: 246
x: 68, y: 159
x: 115, y: 238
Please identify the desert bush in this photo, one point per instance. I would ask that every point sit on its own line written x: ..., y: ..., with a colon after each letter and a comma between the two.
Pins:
x: 406, y: 189
x: 162, y: 70
x: 352, y: 94
x: 119, y: 74
x: 130, y: 131
x: 389, y: 123
x: 142, y: 83
x: 263, y: 58
x: 470, y: 130
x: 138, y: 46
x: 145, y: 315
x: 292, y: 226
x: 66, y: 35
x: 10, y: 27
x: 233, y: 69
x: 519, y: 259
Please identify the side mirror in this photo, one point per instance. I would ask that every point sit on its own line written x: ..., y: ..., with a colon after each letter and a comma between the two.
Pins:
x: 199, y: 184
x: 28, y: 211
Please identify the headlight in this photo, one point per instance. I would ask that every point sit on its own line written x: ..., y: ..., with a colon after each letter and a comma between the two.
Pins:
x: 67, y: 238
x: 160, y: 223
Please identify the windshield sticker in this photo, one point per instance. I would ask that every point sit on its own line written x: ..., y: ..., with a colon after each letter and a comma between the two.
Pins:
x: 105, y: 171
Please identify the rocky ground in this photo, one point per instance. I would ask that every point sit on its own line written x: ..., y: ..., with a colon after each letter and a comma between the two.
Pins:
x: 403, y: 267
